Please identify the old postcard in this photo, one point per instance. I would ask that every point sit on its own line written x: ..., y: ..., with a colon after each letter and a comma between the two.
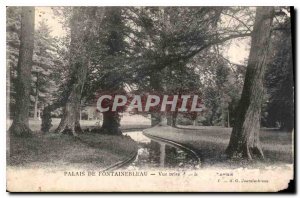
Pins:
x: 150, y: 99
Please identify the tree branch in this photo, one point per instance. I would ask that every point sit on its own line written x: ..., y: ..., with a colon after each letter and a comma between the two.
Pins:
x: 214, y: 42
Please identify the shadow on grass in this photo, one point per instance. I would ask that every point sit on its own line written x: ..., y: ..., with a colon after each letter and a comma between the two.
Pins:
x: 60, y: 150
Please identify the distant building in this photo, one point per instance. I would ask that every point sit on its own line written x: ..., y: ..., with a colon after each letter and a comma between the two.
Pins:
x: 90, y: 113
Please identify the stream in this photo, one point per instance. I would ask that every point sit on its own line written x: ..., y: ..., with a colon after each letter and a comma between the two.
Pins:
x: 153, y: 154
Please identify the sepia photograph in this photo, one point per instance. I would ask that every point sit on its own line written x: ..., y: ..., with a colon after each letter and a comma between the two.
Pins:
x: 150, y: 99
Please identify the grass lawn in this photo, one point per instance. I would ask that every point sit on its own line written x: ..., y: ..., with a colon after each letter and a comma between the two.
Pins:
x: 91, y: 151
x: 211, y: 142
x: 60, y: 152
x: 127, y: 123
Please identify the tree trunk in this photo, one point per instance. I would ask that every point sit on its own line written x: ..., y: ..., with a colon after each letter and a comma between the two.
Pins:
x: 222, y: 114
x: 211, y: 118
x: 36, y: 99
x: 111, y: 123
x: 79, y: 61
x: 244, y: 140
x: 20, y: 125
x: 35, y: 116
x: 155, y: 118
x: 174, y: 119
x: 46, y: 115
x: 228, y: 118
x: 70, y: 119
x: 171, y: 119
x: 155, y: 85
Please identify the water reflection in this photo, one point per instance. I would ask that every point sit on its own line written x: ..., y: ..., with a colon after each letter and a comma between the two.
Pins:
x: 157, y: 154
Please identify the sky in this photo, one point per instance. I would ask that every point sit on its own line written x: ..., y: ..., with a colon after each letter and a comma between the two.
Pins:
x: 237, y: 52
x: 46, y: 13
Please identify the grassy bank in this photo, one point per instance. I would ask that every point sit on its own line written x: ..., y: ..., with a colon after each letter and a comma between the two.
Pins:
x: 211, y: 142
x: 90, y: 151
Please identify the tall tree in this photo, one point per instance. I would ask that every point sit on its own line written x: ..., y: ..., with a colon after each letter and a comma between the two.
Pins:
x: 81, y: 26
x: 168, y: 38
x: 244, y: 140
x: 13, y: 27
x: 115, y: 46
x: 279, y: 111
x: 45, y: 58
x: 108, y: 71
x: 20, y: 125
